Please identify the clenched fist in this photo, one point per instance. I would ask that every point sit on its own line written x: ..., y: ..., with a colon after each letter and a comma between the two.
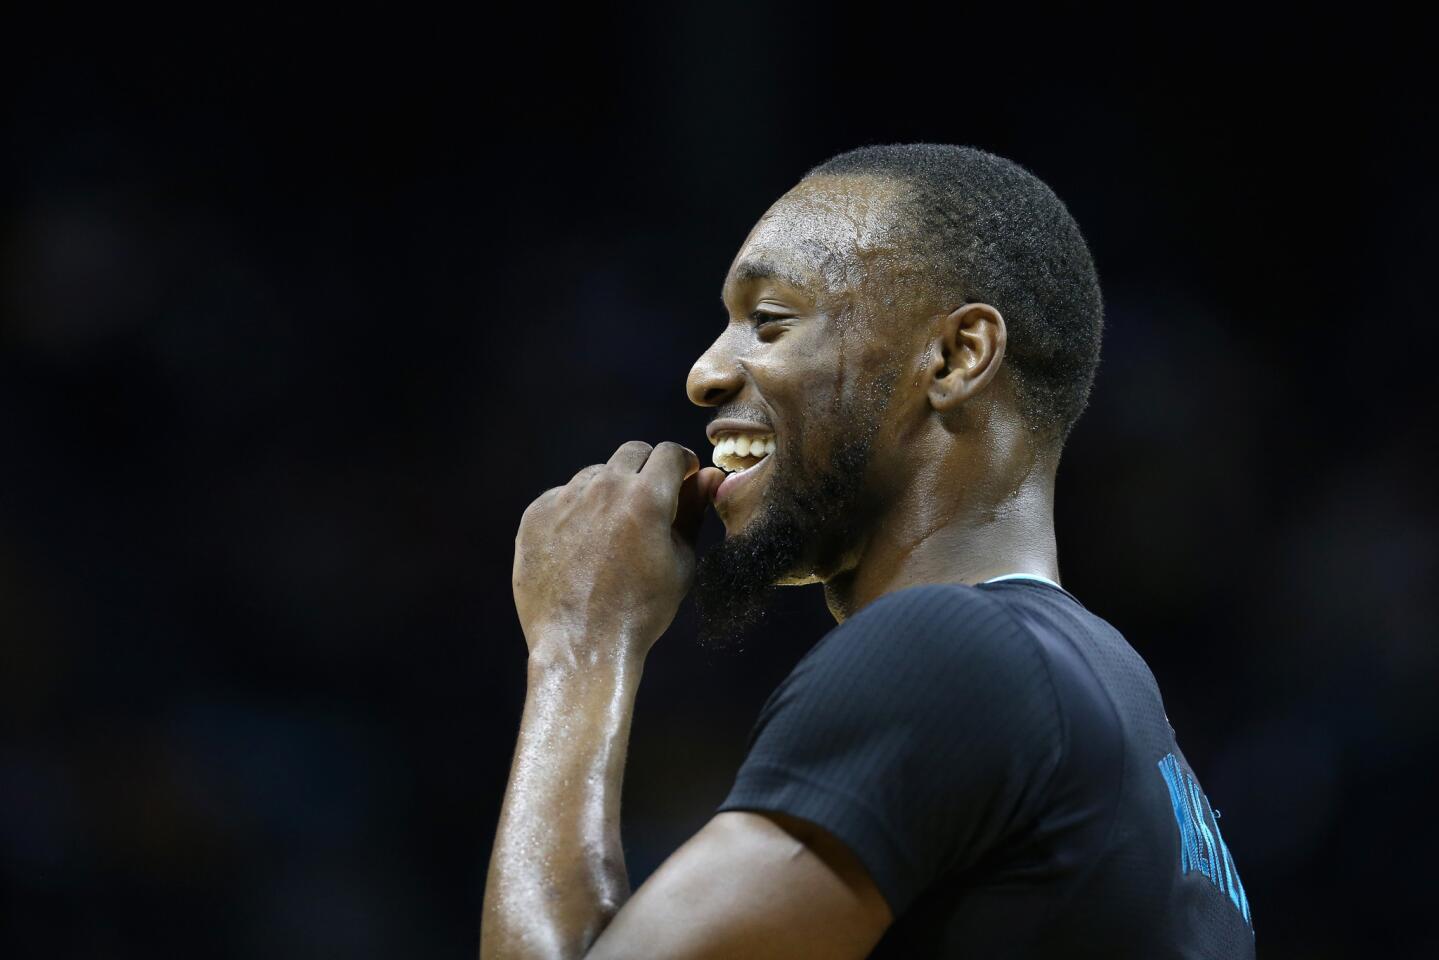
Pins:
x: 602, y: 563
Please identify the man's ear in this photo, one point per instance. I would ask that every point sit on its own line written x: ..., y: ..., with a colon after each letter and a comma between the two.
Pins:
x: 965, y: 354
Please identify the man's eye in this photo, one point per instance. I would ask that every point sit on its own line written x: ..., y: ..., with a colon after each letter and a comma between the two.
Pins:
x: 768, y: 323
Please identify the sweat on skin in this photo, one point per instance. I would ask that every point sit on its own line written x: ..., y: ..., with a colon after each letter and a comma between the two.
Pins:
x: 898, y: 460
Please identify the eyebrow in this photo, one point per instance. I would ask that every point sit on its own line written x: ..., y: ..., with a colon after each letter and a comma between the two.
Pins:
x: 762, y: 268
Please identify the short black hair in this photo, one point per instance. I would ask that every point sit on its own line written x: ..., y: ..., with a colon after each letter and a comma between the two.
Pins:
x: 995, y: 233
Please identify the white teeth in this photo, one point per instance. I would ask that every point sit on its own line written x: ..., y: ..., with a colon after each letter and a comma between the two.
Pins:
x: 732, y: 448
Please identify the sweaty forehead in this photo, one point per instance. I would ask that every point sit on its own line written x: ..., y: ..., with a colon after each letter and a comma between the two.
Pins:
x: 830, y: 231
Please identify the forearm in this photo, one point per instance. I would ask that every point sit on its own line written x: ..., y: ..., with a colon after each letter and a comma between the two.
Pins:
x: 557, y: 872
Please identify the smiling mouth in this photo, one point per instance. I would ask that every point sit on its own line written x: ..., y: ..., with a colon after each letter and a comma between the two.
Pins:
x: 736, y: 451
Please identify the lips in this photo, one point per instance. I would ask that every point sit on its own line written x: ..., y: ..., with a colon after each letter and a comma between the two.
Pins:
x: 736, y: 483
x: 729, y: 425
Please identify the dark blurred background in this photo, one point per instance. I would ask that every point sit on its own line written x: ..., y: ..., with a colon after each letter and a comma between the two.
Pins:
x: 299, y: 313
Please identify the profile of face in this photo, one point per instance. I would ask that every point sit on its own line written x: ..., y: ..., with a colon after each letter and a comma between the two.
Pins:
x: 820, y: 325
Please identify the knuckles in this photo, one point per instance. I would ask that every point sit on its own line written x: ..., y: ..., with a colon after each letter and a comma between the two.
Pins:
x: 637, y: 446
x: 672, y: 445
x: 612, y: 495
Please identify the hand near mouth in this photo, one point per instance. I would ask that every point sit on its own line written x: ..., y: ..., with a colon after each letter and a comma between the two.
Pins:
x: 696, y: 494
x: 602, y: 563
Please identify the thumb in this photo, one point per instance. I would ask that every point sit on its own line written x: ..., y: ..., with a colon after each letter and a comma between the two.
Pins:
x: 696, y: 494
x: 710, y: 480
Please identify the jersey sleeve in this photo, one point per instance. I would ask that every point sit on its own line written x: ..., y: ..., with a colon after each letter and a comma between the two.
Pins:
x: 920, y: 732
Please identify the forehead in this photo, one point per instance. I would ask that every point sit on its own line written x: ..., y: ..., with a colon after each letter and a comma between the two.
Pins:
x: 826, y: 234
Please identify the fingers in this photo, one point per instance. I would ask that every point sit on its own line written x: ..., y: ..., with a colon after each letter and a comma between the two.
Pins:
x: 630, y: 456
x: 638, y: 456
x: 710, y: 479
x: 587, y: 473
x: 670, y: 459
x: 696, y: 493
x: 669, y: 466
x: 672, y: 471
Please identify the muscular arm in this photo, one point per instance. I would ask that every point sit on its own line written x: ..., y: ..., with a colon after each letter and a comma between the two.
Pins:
x: 557, y: 873
x: 755, y: 886
x: 601, y: 565
x: 745, y: 885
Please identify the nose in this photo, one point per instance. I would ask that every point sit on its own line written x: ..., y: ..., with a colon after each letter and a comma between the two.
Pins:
x: 715, y: 377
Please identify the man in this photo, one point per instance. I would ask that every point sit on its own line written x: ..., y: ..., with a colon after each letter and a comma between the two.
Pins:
x: 971, y: 764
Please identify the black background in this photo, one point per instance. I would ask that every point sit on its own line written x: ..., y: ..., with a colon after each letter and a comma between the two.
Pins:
x: 299, y: 313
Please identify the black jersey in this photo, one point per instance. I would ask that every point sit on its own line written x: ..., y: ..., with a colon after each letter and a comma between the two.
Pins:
x: 1000, y: 761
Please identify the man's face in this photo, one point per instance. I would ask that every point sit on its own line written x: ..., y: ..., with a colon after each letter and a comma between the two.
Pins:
x: 819, y: 328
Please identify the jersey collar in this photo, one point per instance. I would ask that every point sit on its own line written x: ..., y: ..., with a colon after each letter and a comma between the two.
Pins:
x: 1025, y: 576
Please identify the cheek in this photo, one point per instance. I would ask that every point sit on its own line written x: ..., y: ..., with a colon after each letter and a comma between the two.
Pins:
x: 808, y: 382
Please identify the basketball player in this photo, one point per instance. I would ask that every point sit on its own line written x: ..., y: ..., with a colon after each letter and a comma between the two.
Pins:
x: 971, y: 764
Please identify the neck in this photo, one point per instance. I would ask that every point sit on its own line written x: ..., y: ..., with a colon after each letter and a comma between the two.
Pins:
x: 1006, y: 527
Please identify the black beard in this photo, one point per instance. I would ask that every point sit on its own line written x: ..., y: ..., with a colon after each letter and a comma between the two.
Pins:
x: 736, y: 580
